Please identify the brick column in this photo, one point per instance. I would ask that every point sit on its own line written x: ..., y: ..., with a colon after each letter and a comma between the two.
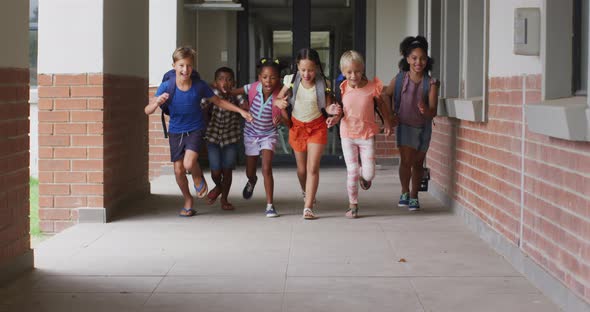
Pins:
x: 159, y: 157
x: 71, y: 144
x: 16, y: 255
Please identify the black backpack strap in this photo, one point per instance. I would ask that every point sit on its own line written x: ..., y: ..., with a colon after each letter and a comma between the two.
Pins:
x: 164, y: 125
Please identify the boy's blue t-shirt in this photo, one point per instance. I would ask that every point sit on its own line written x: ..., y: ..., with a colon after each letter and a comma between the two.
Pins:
x: 185, y: 109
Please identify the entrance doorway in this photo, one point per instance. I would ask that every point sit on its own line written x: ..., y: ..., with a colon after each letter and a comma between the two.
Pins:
x: 280, y: 28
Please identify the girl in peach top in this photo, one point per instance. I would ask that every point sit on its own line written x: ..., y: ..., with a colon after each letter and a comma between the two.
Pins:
x: 358, y: 126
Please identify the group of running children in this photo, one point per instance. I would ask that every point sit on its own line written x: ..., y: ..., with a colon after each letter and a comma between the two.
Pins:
x: 304, y: 103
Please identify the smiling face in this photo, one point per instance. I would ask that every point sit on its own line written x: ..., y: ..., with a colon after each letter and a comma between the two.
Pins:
x: 307, y: 69
x: 183, y: 68
x: 417, y: 60
x: 353, y: 71
x: 269, y: 78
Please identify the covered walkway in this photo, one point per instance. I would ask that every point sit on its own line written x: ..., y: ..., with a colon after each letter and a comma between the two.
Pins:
x: 388, y: 260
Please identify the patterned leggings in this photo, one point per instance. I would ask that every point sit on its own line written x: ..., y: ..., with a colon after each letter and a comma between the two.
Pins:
x: 351, y: 149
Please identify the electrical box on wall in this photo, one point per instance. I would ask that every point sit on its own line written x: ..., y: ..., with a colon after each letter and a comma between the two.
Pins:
x: 527, y: 31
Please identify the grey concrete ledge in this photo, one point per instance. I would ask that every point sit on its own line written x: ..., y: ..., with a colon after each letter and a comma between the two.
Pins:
x: 567, y: 118
x: 92, y: 215
x: 547, y: 284
x: 471, y: 109
x: 18, y: 266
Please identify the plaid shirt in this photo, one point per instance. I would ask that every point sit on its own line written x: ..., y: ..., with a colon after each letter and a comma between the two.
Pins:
x: 224, y: 127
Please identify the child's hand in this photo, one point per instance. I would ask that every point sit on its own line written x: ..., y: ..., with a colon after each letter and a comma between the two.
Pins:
x: 421, y: 108
x: 387, y: 129
x: 246, y: 115
x: 332, y: 121
x: 162, y: 98
x: 334, y: 109
x: 281, y: 103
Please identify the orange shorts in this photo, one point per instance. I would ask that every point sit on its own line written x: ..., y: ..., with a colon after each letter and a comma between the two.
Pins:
x: 302, y: 133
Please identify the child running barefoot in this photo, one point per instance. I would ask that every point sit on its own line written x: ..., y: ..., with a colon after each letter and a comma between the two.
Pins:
x: 260, y: 136
x: 358, y: 126
x: 186, y: 123
x: 415, y: 98
x: 222, y: 136
x: 310, y: 121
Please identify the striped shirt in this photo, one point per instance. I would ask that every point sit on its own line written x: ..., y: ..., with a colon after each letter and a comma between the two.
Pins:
x: 261, y: 125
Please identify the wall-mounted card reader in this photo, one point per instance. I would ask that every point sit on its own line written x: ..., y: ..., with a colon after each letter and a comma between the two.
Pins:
x: 527, y: 31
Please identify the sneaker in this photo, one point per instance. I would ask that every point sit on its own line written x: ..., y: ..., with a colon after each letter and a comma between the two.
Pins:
x: 414, y: 204
x: 404, y: 200
x: 249, y: 188
x: 271, y: 212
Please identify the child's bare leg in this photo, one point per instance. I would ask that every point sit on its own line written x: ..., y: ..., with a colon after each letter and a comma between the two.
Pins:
x: 251, y: 164
x: 182, y: 181
x: 225, y: 187
x: 314, y: 155
x: 267, y: 156
x: 407, y: 156
x: 301, y: 158
x: 191, y: 164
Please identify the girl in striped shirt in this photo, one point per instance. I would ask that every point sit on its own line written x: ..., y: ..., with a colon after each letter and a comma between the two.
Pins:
x: 260, y: 135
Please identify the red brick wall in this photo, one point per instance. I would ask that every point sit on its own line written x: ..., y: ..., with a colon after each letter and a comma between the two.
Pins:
x: 159, y: 149
x: 14, y: 164
x: 125, y: 140
x: 483, y: 174
x: 90, y: 151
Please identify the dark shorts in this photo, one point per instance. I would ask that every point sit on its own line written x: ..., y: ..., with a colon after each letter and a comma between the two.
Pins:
x: 180, y: 142
x: 222, y: 157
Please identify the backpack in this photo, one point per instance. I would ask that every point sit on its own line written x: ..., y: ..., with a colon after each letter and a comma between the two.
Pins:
x: 276, y: 112
x: 171, y: 89
x: 399, y: 82
x: 320, y: 88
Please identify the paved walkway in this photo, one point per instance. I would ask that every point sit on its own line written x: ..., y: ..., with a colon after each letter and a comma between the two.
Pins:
x: 152, y: 260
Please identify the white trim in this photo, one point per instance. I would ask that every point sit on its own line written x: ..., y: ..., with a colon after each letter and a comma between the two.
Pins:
x: 522, y: 161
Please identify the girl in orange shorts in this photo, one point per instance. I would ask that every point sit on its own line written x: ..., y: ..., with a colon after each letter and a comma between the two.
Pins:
x: 306, y: 95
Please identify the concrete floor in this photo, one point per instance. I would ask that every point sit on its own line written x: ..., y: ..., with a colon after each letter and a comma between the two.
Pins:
x: 389, y: 260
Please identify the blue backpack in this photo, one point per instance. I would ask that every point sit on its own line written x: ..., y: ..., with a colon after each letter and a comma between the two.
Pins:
x: 171, y: 89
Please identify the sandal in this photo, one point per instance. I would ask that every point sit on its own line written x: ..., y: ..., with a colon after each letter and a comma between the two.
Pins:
x: 352, y: 213
x: 227, y: 206
x: 212, y: 196
x: 308, y: 214
x: 189, y: 212
x: 365, y: 185
x: 201, y: 189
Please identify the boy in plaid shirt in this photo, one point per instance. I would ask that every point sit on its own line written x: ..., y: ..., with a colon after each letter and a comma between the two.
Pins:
x: 223, y: 135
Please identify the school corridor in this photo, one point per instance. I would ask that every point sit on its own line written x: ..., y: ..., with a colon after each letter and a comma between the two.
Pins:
x: 387, y: 260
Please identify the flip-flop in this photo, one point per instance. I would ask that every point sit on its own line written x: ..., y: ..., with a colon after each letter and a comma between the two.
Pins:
x: 189, y: 212
x: 352, y: 213
x: 201, y: 189
x: 212, y: 196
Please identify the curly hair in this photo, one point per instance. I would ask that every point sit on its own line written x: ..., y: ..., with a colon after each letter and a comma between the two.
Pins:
x: 408, y: 45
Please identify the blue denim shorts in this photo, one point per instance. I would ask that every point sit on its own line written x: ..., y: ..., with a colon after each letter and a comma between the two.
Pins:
x: 415, y: 137
x: 222, y: 157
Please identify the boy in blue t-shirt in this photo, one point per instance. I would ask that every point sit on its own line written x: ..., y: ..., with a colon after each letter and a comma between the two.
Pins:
x: 187, y: 124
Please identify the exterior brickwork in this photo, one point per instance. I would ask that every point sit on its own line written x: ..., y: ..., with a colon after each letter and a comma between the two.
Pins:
x: 159, y: 149
x: 480, y: 165
x: 82, y: 118
x: 14, y: 164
